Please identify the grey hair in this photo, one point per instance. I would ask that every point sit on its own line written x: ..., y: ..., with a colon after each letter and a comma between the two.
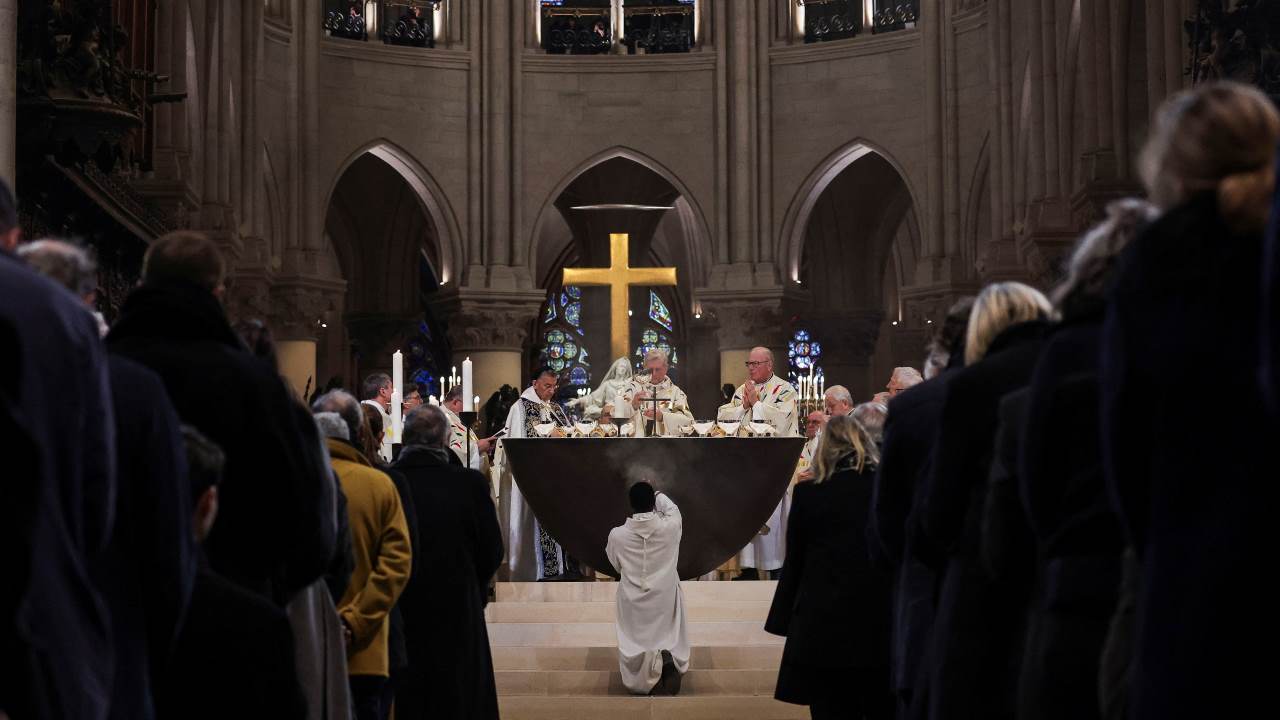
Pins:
x: 839, y: 393
x: 1092, y: 262
x: 871, y: 416
x: 345, y: 405
x: 766, y: 351
x: 332, y: 425
x: 66, y: 263
x: 455, y: 393
x: 426, y: 426
x: 657, y: 353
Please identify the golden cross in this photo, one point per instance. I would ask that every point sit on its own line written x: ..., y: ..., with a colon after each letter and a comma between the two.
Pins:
x: 619, y: 277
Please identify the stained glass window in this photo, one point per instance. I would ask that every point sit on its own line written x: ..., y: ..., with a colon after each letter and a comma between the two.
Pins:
x: 658, y: 311
x: 804, y: 353
x: 655, y: 335
x: 562, y: 334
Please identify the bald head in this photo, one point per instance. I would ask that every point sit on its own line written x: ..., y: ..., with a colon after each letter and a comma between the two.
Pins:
x: 837, y: 401
x: 760, y: 364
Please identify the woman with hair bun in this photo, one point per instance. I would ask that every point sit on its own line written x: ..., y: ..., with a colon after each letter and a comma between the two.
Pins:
x: 1194, y: 493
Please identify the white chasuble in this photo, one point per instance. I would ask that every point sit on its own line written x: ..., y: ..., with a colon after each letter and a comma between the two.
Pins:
x: 777, y: 403
x: 458, y: 432
x: 531, y: 553
x: 645, y: 551
x: 672, y: 402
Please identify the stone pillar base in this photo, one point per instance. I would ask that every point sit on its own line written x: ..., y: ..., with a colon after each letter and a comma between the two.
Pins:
x: 298, y: 365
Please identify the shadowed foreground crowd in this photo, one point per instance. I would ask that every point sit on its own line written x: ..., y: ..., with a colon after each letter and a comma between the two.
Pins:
x: 1045, y: 529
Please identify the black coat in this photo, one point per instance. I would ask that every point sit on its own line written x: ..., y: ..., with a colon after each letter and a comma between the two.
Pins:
x: 1270, y: 320
x: 1197, y: 494
x: 909, y: 433
x: 977, y: 617
x: 234, y: 659
x: 832, y: 601
x: 275, y: 532
x: 149, y: 566
x: 59, y: 503
x: 450, y: 672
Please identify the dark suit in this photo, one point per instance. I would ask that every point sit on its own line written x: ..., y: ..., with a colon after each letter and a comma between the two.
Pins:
x: 149, y: 566
x: 1197, y: 494
x: 1075, y: 527
x: 833, y: 602
x: 275, y: 532
x: 972, y: 635
x: 450, y: 673
x: 56, y: 657
x: 234, y: 659
x: 909, y: 433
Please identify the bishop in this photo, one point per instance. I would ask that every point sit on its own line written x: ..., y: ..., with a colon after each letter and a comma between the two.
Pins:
x: 659, y: 407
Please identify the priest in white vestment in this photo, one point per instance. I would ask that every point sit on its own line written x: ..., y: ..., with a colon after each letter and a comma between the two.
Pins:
x: 532, y: 554
x: 764, y: 397
x: 672, y: 412
x: 462, y: 437
x: 653, y: 641
x: 376, y: 391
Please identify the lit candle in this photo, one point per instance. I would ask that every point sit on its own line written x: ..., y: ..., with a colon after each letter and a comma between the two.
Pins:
x: 476, y: 401
x: 397, y: 395
x: 467, y: 404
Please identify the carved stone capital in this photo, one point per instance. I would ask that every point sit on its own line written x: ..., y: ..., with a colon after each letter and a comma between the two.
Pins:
x: 849, y: 335
x: 747, y: 319
x: 249, y: 297
x: 488, y: 320
x: 300, y: 307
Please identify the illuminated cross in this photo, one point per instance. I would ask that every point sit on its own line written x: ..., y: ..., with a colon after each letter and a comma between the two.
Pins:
x: 619, y: 277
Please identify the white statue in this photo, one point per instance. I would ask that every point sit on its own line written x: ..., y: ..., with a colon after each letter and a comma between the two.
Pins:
x: 614, y: 382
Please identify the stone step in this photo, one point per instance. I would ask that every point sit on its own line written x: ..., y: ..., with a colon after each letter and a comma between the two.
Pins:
x: 548, y: 612
x: 605, y: 683
x: 605, y: 658
x: 694, y: 591
x: 708, y: 707
x: 587, y: 634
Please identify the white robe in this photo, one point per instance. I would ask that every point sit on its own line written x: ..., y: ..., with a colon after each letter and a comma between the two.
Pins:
x: 519, y: 526
x: 458, y: 432
x: 645, y: 551
x: 387, y: 430
x: 671, y: 400
x: 777, y: 404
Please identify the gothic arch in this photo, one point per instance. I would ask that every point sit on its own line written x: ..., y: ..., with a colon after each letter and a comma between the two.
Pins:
x: 979, y: 201
x: 795, y: 223
x: 429, y: 194
x: 698, y: 238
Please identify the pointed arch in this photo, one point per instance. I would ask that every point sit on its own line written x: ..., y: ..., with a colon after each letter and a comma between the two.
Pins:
x: 698, y: 238
x: 430, y: 195
x: 790, y: 249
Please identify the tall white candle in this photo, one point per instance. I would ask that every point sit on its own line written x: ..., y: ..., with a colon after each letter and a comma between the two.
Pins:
x: 467, y: 404
x: 397, y: 395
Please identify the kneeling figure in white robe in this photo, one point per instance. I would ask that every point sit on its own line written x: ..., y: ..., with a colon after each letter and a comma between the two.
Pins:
x: 645, y: 551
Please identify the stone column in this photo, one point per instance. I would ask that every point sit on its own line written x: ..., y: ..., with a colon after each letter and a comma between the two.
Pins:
x: 848, y: 344
x: 492, y: 329
x: 300, y: 306
x: 8, y: 90
x: 744, y: 323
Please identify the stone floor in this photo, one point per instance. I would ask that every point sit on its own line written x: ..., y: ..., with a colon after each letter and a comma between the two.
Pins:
x: 554, y: 654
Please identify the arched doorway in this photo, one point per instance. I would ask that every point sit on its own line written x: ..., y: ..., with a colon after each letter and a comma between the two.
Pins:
x: 566, y: 237
x: 852, y: 242
x: 389, y: 236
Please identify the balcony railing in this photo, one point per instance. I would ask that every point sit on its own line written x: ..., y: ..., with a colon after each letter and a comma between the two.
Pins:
x: 589, y: 27
x: 394, y: 22
x: 826, y: 20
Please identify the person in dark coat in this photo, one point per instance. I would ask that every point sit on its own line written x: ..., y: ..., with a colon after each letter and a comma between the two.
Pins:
x: 833, y: 600
x: 977, y: 619
x: 149, y: 566
x: 1062, y: 491
x: 1196, y: 498
x: 277, y: 534
x: 909, y: 433
x: 1270, y: 323
x: 450, y: 672
x: 235, y: 654
x: 56, y: 655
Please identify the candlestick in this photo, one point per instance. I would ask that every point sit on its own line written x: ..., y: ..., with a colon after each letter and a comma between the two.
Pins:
x: 397, y: 395
x: 467, y: 404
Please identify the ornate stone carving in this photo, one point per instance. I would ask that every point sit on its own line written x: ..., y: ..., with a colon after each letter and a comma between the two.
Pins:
x: 848, y: 335
x: 488, y: 320
x: 249, y: 298
x: 1235, y: 41
x: 300, y: 309
x: 743, y: 325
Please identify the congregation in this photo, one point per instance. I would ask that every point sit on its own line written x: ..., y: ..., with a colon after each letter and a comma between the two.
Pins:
x: 1034, y: 526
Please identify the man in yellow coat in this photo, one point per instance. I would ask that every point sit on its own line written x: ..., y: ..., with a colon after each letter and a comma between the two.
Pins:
x: 380, y: 545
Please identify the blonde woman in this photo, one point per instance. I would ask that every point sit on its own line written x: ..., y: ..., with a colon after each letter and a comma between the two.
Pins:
x: 976, y: 630
x: 1197, y: 498
x: 833, y: 602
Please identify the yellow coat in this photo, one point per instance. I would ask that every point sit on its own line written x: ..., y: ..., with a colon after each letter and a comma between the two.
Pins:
x: 380, y: 541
